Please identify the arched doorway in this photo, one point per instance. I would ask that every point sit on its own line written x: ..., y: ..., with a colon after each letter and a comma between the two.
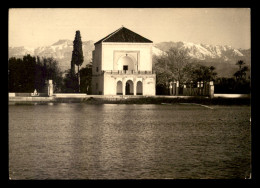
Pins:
x: 119, y: 88
x: 129, y: 87
x: 139, y: 88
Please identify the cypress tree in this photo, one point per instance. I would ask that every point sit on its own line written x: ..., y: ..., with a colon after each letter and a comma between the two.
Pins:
x: 77, y: 54
x: 72, y: 68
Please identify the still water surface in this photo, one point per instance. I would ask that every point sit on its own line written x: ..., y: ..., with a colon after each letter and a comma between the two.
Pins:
x: 110, y: 141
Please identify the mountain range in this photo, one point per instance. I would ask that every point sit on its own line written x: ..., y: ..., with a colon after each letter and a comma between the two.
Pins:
x: 60, y: 50
x: 206, y: 52
x: 222, y: 57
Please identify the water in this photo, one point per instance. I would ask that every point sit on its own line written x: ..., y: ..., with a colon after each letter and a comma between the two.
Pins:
x: 81, y: 141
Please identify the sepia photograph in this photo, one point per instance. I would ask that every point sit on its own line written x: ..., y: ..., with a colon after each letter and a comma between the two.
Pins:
x: 129, y: 93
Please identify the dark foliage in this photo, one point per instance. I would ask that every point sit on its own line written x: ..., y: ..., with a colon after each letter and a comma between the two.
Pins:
x: 238, y: 84
x: 77, y: 55
x: 85, y: 79
x: 232, y: 85
x: 70, y: 83
x: 29, y: 73
x: 175, y: 65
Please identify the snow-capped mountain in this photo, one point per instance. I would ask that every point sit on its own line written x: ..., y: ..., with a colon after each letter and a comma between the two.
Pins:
x: 222, y: 57
x: 157, y: 51
x: 206, y: 52
x: 60, y: 50
x: 19, y: 51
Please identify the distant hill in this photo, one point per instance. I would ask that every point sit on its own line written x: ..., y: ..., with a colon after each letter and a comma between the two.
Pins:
x: 222, y: 57
x: 60, y: 50
x: 205, y: 52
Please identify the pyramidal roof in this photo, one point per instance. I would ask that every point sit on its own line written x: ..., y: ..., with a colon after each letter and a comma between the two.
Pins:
x: 124, y: 35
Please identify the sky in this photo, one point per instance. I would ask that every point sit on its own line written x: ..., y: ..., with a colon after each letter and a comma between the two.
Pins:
x: 34, y: 27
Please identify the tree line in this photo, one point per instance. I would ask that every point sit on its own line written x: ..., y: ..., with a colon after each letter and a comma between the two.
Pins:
x: 239, y: 83
x: 176, y: 65
x: 29, y: 73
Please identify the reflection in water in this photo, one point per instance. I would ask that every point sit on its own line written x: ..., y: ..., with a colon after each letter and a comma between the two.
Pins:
x: 79, y: 141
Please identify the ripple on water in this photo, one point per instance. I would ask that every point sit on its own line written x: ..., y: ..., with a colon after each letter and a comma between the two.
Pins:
x: 78, y: 141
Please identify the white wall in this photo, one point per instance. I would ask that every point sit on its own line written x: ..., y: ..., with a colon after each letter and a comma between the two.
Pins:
x: 145, y: 51
x: 97, y: 80
x: 125, y: 60
x: 149, y: 86
x: 97, y: 58
x: 119, y: 55
x: 109, y: 85
x: 104, y: 58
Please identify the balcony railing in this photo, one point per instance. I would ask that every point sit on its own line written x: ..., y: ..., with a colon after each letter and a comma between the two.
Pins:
x: 127, y: 72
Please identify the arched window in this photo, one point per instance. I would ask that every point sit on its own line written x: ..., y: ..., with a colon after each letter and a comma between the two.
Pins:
x: 119, y: 88
x: 139, y: 88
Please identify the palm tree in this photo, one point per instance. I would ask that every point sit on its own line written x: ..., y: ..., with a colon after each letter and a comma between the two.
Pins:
x: 240, y: 63
x: 237, y: 74
x: 244, y: 70
x: 213, y: 74
x: 212, y: 68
